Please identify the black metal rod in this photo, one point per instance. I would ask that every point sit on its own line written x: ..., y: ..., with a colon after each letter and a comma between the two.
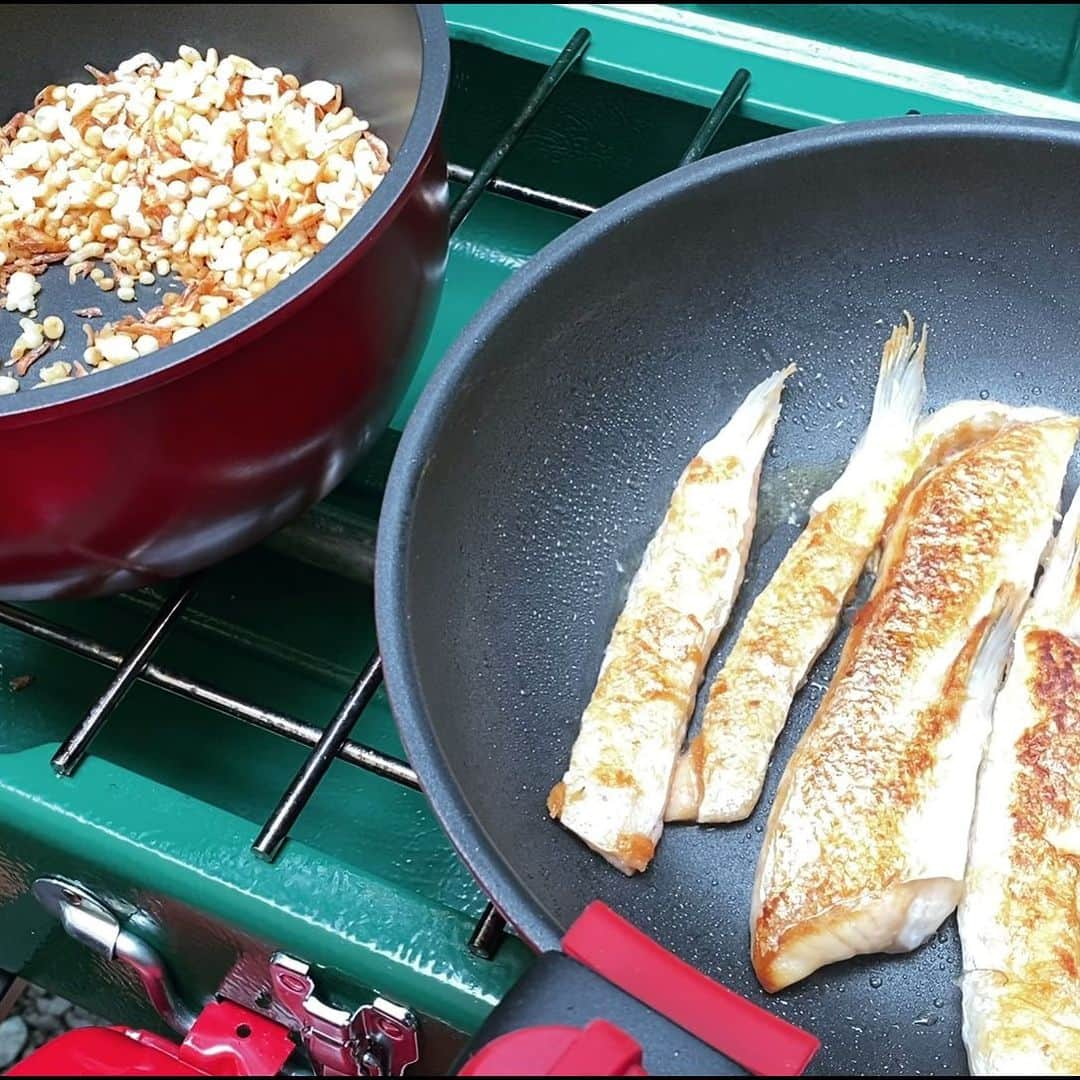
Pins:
x: 490, y: 165
x: 488, y: 934
x: 74, y: 748
x: 533, y: 196
x: 732, y: 95
x: 276, y: 723
x: 276, y: 830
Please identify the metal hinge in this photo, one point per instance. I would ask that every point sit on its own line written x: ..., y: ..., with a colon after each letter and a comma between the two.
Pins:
x: 379, y: 1039
x: 90, y: 921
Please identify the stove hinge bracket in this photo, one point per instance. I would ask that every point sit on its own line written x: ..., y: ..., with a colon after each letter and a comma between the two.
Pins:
x: 92, y: 922
x: 379, y: 1039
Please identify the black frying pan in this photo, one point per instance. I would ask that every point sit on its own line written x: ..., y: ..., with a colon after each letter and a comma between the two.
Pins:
x: 541, y: 457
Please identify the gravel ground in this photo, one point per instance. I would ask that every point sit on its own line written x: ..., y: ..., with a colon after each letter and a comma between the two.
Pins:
x: 37, y: 1017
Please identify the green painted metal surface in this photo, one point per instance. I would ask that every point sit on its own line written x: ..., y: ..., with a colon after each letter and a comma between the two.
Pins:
x: 1022, y: 44
x: 654, y: 54
x: 688, y: 52
x: 161, y: 817
x: 173, y: 796
x: 498, y: 237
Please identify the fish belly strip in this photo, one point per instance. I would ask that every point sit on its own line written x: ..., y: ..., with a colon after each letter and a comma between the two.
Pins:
x: 614, y: 792
x: 795, y: 615
x: 867, y: 840
x: 1020, y: 913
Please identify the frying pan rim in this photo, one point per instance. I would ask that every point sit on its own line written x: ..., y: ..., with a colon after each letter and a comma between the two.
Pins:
x: 422, y: 434
x: 296, y: 291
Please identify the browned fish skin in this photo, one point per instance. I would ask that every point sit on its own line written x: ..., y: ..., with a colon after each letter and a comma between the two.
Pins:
x: 795, y: 615
x: 1019, y: 921
x: 746, y: 690
x: 847, y: 831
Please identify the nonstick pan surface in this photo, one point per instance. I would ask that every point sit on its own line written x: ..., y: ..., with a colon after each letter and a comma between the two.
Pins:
x: 543, y: 453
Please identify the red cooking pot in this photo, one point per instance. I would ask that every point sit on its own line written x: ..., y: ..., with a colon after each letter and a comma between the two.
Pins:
x: 180, y: 458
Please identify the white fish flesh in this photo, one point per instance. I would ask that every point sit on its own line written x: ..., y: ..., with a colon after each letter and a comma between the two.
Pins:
x: 1019, y: 916
x: 795, y: 615
x: 867, y: 840
x: 614, y: 792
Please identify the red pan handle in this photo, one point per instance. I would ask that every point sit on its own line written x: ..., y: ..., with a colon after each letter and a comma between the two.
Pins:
x: 634, y: 1007
x: 757, y: 1040
x: 598, y: 1049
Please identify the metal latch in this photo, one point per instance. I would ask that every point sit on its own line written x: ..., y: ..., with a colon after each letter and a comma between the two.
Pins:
x: 379, y: 1039
x: 92, y: 923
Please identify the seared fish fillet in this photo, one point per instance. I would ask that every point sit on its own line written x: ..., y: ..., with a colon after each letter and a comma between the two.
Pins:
x: 614, y: 792
x: 1019, y: 917
x: 867, y: 840
x: 795, y: 615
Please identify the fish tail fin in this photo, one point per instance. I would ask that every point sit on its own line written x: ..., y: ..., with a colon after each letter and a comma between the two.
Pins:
x: 901, y: 385
x: 752, y: 425
x: 1059, y: 589
x: 994, y: 649
x: 898, y: 403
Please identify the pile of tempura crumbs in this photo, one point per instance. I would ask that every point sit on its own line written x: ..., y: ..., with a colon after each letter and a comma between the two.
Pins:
x: 217, y: 172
